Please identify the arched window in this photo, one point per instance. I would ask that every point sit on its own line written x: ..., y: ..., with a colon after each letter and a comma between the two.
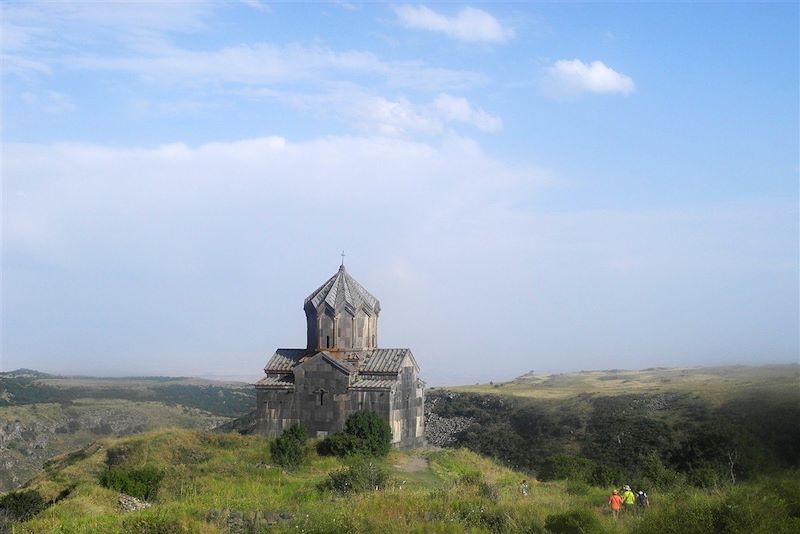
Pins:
x: 327, y: 342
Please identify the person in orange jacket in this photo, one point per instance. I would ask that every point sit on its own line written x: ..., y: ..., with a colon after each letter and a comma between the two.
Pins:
x: 615, y: 503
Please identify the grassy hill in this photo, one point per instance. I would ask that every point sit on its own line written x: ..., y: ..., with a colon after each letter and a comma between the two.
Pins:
x: 44, y: 415
x: 225, y: 483
x: 705, y: 424
x: 714, y: 384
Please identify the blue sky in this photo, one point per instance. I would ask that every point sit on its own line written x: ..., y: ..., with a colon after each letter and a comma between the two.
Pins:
x: 524, y: 186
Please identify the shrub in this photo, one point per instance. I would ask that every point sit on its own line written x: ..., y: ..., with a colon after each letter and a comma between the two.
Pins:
x: 577, y: 487
x: 604, y: 476
x: 573, y: 522
x: 338, y: 444
x: 566, y: 466
x: 138, y: 524
x: 289, y: 449
x: 372, y: 430
x: 140, y: 482
x: 359, y: 476
x: 364, y: 433
x: 656, y: 474
x: 488, y: 491
x: 22, y: 505
x: 470, y: 478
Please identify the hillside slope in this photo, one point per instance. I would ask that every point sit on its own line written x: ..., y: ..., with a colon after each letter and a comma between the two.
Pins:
x: 43, y: 415
x: 224, y: 483
x: 707, y: 423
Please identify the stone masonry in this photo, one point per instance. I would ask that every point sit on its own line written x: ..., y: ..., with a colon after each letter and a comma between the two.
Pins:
x: 341, y: 371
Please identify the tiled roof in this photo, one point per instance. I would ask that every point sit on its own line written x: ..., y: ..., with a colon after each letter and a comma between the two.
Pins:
x: 341, y: 290
x: 371, y: 382
x: 275, y: 380
x: 376, y: 361
x: 384, y: 360
x: 284, y: 359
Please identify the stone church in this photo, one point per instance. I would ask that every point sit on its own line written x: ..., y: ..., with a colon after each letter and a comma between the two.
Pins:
x: 341, y: 371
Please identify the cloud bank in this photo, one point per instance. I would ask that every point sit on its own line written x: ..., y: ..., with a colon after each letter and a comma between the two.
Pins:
x: 183, y: 259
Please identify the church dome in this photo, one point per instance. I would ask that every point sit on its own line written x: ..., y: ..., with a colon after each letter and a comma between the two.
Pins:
x: 342, y: 315
x: 341, y: 291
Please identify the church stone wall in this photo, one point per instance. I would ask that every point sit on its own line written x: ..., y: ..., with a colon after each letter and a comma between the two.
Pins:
x: 407, y: 414
x: 275, y: 411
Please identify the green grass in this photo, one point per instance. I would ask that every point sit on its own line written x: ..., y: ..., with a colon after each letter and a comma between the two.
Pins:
x: 211, y: 478
x: 716, y: 384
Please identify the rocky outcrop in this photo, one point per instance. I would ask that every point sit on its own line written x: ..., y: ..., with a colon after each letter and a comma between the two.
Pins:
x: 442, y: 431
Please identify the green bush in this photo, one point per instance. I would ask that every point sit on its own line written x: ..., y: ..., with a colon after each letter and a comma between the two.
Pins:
x: 358, y: 477
x: 573, y: 522
x: 365, y: 433
x: 604, y: 476
x: 289, y: 450
x: 470, y: 478
x: 22, y: 505
x: 746, y: 509
x: 338, y: 444
x: 578, y: 488
x: 139, y: 524
x: 656, y: 474
x: 140, y: 482
x: 566, y: 466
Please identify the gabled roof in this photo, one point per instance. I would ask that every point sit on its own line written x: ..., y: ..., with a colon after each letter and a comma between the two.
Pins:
x: 340, y: 291
x: 284, y: 360
x: 371, y: 382
x: 276, y: 381
x: 386, y: 360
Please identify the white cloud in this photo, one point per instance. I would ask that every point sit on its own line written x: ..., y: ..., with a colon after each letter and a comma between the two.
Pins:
x: 268, y: 64
x: 459, y: 109
x: 399, y: 116
x: 470, y: 24
x: 573, y: 77
x: 258, y: 5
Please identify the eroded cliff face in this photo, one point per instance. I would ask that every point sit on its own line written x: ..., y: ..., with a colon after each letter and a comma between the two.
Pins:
x: 31, y: 434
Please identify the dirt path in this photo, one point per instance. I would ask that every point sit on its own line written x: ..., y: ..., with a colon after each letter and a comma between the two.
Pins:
x: 413, y: 464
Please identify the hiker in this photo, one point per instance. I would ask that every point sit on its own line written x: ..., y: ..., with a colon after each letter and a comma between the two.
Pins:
x: 628, y: 499
x: 615, y: 503
x: 642, y: 502
x: 523, y: 489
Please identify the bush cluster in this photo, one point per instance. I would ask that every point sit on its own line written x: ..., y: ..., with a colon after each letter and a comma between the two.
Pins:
x: 577, y: 468
x: 573, y: 522
x: 768, y: 508
x: 290, y: 449
x: 140, y: 482
x: 358, y: 477
x: 139, y: 524
x: 365, y: 433
x: 21, y: 505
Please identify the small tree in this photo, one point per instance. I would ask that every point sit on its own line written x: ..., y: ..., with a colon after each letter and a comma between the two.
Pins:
x: 289, y: 450
x: 365, y: 433
x: 372, y: 430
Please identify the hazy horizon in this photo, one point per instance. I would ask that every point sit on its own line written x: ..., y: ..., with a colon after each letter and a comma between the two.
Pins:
x: 548, y: 187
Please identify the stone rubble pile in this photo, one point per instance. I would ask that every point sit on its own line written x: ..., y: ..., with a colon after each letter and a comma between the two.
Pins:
x: 442, y: 431
x: 132, y: 504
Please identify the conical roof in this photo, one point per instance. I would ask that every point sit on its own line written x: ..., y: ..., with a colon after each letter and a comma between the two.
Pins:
x: 342, y: 291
